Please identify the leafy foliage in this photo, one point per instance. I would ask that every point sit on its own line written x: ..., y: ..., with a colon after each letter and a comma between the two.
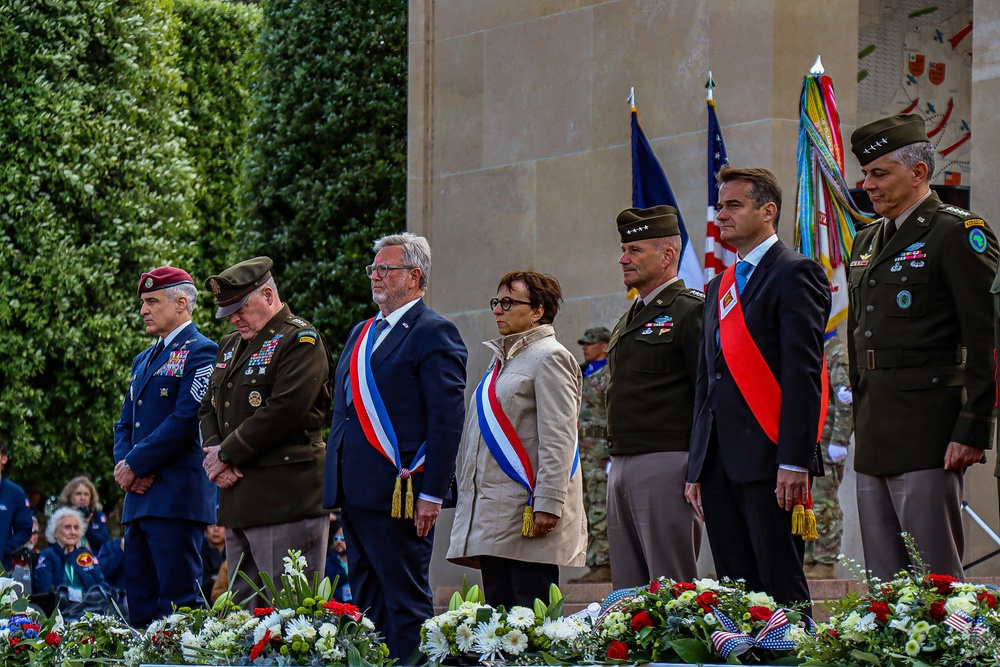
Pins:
x: 98, y: 186
x: 326, y: 172
x: 95, y: 182
x: 218, y: 41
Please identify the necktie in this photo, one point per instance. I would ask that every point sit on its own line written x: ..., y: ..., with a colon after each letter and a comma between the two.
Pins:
x: 890, y: 229
x: 380, y: 326
x: 156, y: 352
x: 639, y: 305
x: 743, y: 269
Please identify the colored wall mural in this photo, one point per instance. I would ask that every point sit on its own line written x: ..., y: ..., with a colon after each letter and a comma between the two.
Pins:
x: 915, y: 56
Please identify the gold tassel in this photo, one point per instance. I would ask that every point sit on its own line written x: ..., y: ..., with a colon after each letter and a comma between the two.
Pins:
x: 798, y: 520
x: 810, y: 533
x: 409, y: 497
x: 397, y: 498
x: 528, y: 522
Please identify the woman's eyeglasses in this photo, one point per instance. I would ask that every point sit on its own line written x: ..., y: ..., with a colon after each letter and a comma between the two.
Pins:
x: 506, y: 303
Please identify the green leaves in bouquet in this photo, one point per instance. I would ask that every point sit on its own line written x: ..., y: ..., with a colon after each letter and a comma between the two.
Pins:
x: 552, y: 610
x: 690, y: 650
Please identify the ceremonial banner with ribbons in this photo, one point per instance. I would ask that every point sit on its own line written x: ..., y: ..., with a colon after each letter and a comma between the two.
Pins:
x: 825, y: 214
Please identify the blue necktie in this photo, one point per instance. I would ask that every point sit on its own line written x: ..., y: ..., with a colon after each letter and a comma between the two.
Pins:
x: 380, y: 325
x: 743, y: 269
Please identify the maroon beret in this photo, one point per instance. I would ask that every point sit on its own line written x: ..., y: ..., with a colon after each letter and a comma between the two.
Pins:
x: 162, y: 278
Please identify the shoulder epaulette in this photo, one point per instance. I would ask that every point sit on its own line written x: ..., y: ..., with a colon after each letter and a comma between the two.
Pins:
x: 696, y: 293
x: 298, y: 321
x: 955, y: 211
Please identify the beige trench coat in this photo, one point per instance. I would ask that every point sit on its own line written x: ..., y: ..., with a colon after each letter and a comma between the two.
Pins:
x: 539, y: 391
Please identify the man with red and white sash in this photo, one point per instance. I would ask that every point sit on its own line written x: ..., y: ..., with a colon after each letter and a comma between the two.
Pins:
x: 759, y: 396
x: 398, y: 410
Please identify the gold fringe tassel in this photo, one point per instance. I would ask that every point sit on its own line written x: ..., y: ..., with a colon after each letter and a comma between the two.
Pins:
x: 799, y: 520
x: 528, y: 522
x: 409, y: 499
x: 810, y: 534
x: 397, y: 498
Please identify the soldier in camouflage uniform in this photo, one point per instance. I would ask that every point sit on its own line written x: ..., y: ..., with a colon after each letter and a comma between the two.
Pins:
x: 594, y: 452
x: 821, y: 555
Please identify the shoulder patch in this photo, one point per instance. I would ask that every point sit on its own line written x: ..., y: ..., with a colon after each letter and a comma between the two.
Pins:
x: 975, y: 222
x: 977, y: 239
x: 307, y: 336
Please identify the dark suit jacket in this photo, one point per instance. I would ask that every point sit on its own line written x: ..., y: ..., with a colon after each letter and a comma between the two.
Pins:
x: 786, y: 303
x: 157, y: 432
x: 419, y: 369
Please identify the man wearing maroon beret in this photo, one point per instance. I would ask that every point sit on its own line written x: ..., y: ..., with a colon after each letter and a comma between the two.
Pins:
x: 168, y: 500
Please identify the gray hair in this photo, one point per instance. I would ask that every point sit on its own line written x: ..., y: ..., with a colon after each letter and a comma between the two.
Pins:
x: 911, y: 154
x: 186, y: 290
x: 57, y: 519
x: 416, y: 252
x: 268, y: 283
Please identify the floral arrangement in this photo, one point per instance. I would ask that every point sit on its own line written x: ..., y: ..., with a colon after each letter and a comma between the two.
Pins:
x: 696, y: 622
x: 475, y: 632
x: 26, y: 637
x: 916, y: 620
x: 303, y: 627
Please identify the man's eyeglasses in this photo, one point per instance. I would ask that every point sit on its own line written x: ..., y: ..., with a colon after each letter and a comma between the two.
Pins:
x: 383, y: 269
x: 506, y: 303
x: 338, y: 538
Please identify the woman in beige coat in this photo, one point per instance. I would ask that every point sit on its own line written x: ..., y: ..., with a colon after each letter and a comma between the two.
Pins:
x: 537, y: 390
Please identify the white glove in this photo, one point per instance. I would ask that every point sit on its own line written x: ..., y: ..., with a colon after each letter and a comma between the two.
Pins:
x: 837, y: 452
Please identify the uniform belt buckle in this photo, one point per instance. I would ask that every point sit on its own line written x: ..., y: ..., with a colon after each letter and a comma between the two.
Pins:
x: 871, y: 359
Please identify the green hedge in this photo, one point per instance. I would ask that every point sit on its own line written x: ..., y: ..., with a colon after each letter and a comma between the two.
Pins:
x: 218, y: 41
x: 326, y: 171
x: 97, y: 186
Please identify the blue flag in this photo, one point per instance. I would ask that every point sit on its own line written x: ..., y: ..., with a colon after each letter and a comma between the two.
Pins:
x: 650, y: 188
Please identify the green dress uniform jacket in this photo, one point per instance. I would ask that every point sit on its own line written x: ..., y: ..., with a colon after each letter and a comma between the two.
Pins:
x: 653, y: 359
x: 266, y: 404
x: 914, y: 305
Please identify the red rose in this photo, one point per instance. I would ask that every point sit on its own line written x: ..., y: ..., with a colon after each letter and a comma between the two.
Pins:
x: 343, y: 609
x: 52, y: 639
x: 988, y: 598
x: 641, y: 620
x: 707, y: 600
x: 261, y: 612
x: 760, y: 613
x: 881, y: 611
x: 941, y: 582
x: 618, y: 650
x: 680, y: 587
x: 654, y: 586
x: 833, y: 633
x: 938, y: 612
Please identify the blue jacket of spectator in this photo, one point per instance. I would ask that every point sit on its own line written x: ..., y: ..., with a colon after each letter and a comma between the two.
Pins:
x: 15, y: 521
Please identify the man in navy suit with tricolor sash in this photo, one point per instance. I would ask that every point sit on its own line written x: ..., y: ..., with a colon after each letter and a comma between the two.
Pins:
x: 759, y: 395
x: 398, y: 411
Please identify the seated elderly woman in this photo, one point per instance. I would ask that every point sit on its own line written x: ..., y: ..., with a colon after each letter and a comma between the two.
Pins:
x: 81, y: 494
x: 520, y: 495
x: 65, y: 567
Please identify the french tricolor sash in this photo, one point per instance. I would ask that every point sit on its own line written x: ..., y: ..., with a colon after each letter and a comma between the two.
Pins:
x: 757, y: 383
x: 505, y: 445
x: 375, y: 420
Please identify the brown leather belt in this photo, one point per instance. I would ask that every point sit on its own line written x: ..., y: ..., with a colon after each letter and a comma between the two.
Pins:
x: 913, y: 358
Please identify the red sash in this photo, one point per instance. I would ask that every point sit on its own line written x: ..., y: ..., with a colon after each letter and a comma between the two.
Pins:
x: 753, y: 377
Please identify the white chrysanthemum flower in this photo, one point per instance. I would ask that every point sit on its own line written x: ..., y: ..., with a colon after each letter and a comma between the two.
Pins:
x: 436, y: 646
x: 464, y: 637
x: 558, y: 629
x: 328, y: 630
x: 285, y: 614
x: 222, y: 641
x: 367, y: 624
x: 258, y: 632
x: 300, y: 627
x: 174, y: 619
x: 190, y: 646
x: 921, y: 626
x: 687, y: 596
x: 520, y: 617
x: 515, y: 642
x: 912, y: 648
x: 487, y: 644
